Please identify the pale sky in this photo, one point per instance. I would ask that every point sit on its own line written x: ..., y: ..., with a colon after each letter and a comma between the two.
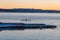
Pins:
x: 38, y: 4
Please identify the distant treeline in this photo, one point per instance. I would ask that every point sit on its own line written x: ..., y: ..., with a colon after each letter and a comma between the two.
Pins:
x: 30, y: 10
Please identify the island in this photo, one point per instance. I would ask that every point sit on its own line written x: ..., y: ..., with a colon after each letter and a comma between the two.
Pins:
x: 26, y: 10
x: 22, y: 26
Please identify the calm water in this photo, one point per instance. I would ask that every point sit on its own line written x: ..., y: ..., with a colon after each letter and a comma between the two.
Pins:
x: 32, y: 34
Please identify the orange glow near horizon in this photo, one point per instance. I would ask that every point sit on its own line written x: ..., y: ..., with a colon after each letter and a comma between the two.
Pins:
x: 36, y: 4
x: 30, y: 6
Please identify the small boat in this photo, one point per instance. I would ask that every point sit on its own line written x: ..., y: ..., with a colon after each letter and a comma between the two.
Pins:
x: 25, y: 20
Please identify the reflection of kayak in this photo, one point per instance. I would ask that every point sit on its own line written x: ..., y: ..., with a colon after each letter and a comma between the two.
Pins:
x: 20, y: 26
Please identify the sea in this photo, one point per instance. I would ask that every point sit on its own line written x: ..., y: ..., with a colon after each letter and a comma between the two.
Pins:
x: 31, y: 34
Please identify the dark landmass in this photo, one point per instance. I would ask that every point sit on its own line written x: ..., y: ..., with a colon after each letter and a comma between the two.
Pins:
x: 23, y: 26
x: 22, y: 10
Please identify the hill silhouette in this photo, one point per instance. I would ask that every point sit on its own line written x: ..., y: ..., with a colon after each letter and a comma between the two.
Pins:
x: 22, y: 10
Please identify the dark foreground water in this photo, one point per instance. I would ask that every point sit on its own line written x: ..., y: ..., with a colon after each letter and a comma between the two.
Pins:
x: 31, y: 34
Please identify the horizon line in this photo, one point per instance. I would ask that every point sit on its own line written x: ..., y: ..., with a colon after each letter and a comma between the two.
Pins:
x: 28, y: 8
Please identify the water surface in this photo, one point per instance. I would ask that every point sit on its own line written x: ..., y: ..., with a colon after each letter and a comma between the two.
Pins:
x: 31, y: 34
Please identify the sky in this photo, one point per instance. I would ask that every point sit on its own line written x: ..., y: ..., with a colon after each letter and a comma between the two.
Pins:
x: 36, y: 4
